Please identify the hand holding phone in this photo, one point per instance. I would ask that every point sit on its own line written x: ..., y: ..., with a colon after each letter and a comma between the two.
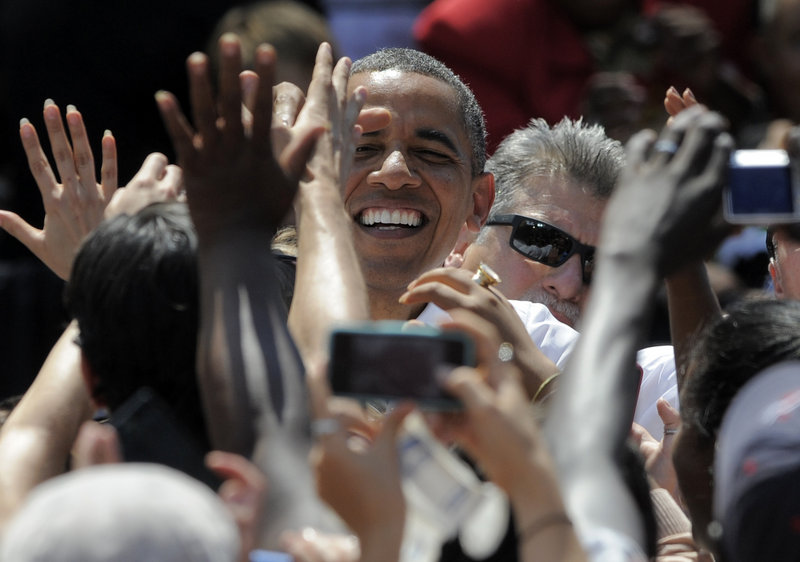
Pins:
x: 394, y: 361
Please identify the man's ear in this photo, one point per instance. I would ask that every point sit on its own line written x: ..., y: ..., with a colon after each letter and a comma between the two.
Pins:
x: 482, y: 200
x: 776, y: 278
x: 93, y: 383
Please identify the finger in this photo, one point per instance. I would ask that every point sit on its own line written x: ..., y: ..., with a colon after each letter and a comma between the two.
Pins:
x: 262, y: 109
x: 62, y: 151
x: 82, y: 153
x: 288, y: 101
x: 178, y: 128
x: 202, y: 97
x: 638, y: 147
x: 108, y: 168
x: 30, y: 236
x: 37, y: 160
x: 698, y: 139
x: 341, y: 73
x: 640, y: 435
x: 249, y: 84
x: 391, y: 426
x: 96, y: 444
x: 459, y: 279
x: 483, y: 332
x: 373, y: 119
x: 232, y: 466
x: 230, y: 91
x: 293, y: 158
x: 668, y: 414
x: 321, y: 76
x: 673, y: 102
x: 466, y: 384
x: 153, y: 168
x: 173, y: 181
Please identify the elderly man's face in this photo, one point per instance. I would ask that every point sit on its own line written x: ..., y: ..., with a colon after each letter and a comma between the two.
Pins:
x: 560, y: 203
x: 784, y: 268
x: 411, y: 188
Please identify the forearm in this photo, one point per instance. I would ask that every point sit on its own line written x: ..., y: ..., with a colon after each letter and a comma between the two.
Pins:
x: 329, y: 286
x: 244, y: 350
x: 36, y: 439
x: 692, y: 304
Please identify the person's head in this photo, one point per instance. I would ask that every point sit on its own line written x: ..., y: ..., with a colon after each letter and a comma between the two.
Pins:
x: 292, y: 27
x: 134, y: 292
x: 783, y: 248
x: 562, y: 177
x: 777, y: 54
x: 417, y: 183
x: 133, y: 512
x: 752, y: 336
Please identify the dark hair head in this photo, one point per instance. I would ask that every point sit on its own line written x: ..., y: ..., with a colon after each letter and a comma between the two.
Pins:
x: 753, y: 335
x: 134, y: 292
x: 572, y: 150
x: 411, y: 60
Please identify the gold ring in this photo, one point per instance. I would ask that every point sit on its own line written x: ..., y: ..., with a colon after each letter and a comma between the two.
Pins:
x: 485, y: 276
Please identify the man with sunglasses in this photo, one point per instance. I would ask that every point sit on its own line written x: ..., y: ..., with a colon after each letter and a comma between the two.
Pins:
x: 551, y: 188
x: 551, y: 185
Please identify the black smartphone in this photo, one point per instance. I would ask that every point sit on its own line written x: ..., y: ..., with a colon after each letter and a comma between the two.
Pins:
x: 761, y: 189
x: 395, y: 361
x: 150, y: 432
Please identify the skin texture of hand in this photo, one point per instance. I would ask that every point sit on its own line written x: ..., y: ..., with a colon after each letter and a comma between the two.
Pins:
x: 658, y: 454
x: 155, y: 181
x: 219, y: 151
x: 361, y: 484
x: 453, y: 289
x: 72, y: 207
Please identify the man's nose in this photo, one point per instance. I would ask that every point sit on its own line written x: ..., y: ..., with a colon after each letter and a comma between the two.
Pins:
x: 394, y: 173
x: 565, y: 282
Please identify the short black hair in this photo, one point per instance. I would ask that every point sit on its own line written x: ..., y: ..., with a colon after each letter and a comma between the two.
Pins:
x: 134, y: 292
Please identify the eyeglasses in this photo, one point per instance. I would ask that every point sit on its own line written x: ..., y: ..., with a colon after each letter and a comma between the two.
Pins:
x: 544, y: 243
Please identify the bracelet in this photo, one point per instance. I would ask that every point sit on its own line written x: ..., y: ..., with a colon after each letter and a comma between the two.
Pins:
x: 542, y: 386
x: 543, y: 523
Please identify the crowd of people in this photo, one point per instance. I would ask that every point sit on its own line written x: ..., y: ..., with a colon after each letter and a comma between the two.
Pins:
x: 623, y: 404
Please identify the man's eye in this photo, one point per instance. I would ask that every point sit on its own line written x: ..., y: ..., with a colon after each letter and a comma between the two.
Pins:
x: 433, y: 155
x: 365, y: 150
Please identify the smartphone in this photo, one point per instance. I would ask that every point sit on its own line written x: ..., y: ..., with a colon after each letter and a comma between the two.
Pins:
x: 761, y: 189
x: 149, y: 432
x: 395, y: 361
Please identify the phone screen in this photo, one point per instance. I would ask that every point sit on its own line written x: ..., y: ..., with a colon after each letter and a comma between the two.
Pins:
x: 396, y: 365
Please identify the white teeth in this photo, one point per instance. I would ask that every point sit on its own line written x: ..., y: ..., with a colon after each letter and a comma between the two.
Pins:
x: 370, y: 217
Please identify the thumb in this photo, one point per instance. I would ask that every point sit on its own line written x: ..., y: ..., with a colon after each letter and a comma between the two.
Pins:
x: 669, y: 415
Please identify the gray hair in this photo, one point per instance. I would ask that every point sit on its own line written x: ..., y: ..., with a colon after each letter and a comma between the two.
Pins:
x: 411, y: 60
x: 571, y: 149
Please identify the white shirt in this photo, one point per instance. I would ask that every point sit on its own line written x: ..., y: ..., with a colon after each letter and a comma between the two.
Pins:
x: 556, y: 341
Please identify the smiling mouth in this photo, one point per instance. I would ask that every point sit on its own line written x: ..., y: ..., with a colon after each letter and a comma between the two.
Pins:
x: 381, y: 217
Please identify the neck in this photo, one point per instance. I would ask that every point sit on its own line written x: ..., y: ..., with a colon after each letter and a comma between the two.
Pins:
x: 384, y: 305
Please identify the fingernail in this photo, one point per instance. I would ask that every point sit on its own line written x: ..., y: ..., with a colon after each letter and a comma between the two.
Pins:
x: 161, y: 96
x: 49, y: 102
x: 672, y: 90
x: 107, y: 133
x: 197, y: 58
x: 24, y: 121
x: 71, y: 108
x: 229, y: 43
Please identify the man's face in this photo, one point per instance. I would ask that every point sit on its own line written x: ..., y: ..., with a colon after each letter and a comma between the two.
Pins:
x: 560, y: 203
x: 785, y: 266
x: 411, y: 188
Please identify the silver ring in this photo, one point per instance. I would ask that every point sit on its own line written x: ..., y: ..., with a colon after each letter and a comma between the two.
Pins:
x: 325, y: 426
x: 506, y: 352
x: 670, y: 431
x: 485, y: 276
x: 665, y: 146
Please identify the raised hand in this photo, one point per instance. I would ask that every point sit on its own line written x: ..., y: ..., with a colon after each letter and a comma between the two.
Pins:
x: 155, y: 181
x: 73, y: 207
x: 231, y: 174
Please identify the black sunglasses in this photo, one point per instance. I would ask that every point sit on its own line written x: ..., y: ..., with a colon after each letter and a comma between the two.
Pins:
x: 544, y: 243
